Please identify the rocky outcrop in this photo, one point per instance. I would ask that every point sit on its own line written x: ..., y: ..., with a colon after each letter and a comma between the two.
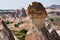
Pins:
x: 37, y: 13
x: 37, y: 10
x: 7, y: 32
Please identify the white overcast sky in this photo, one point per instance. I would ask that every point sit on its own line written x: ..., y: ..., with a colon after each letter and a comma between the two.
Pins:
x: 18, y: 4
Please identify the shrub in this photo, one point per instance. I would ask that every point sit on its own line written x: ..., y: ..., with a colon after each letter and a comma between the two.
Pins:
x: 20, y: 34
x: 20, y: 23
x: 51, y: 19
x: 16, y: 25
x: 24, y: 31
x: 7, y: 22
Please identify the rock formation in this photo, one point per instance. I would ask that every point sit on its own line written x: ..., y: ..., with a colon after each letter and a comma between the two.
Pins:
x: 38, y: 14
x: 23, y: 13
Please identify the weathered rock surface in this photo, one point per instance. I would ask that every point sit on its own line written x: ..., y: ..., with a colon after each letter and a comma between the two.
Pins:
x: 38, y: 14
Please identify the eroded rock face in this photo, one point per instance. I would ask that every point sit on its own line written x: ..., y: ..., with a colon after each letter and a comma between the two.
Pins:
x: 38, y: 14
x: 31, y: 36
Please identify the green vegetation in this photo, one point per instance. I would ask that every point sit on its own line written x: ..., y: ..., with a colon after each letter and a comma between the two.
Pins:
x: 17, y: 25
x: 24, y: 31
x: 51, y: 19
x: 57, y: 18
x: 7, y: 22
x: 20, y: 34
x: 54, y: 19
x: 20, y: 23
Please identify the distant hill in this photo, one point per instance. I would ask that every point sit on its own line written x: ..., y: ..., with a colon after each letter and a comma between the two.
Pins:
x: 53, y: 6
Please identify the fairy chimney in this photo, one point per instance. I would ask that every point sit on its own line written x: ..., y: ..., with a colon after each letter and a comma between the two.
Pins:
x: 37, y: 13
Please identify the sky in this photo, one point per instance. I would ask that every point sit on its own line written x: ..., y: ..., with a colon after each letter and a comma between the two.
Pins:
x: 18, y: 4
